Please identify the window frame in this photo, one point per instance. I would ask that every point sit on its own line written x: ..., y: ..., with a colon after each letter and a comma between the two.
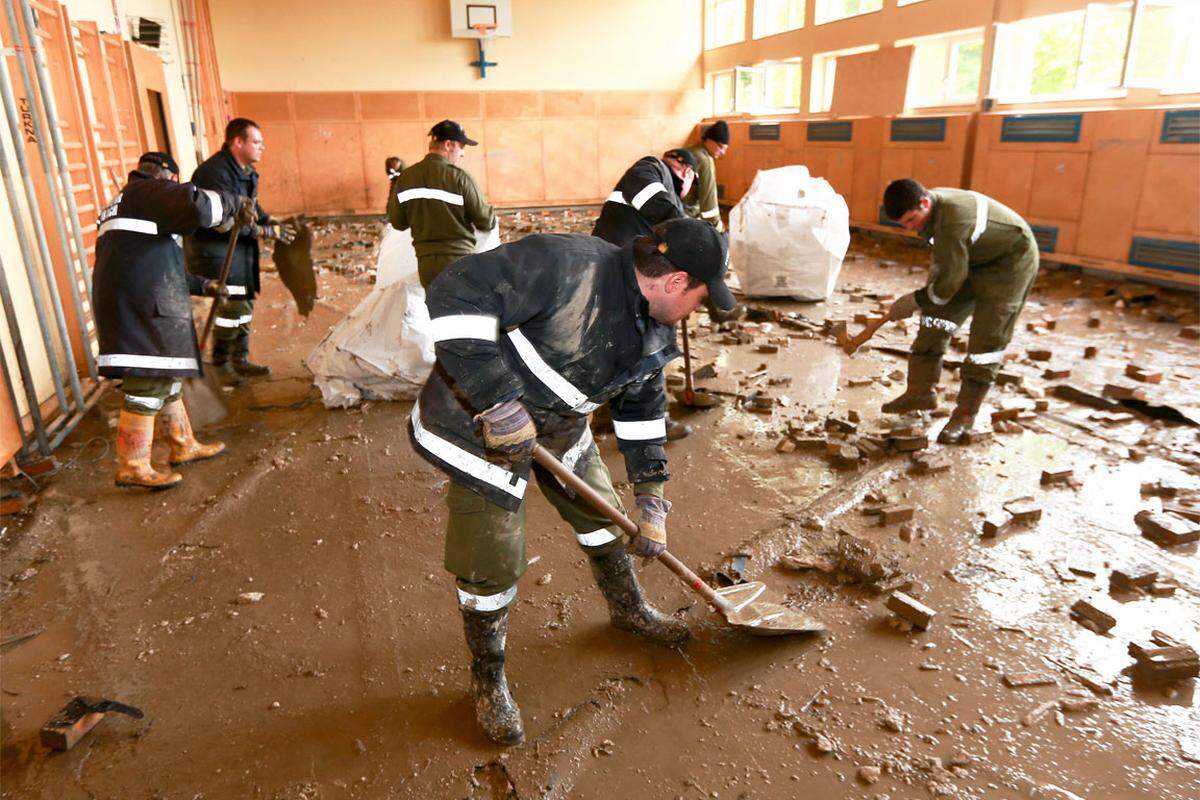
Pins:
x: 709, y: 44
x: 756, y: 34
x: 817, y: 73
x: 953, y: 40
x: 712, y: 92
x: 819, y: 5
x: 1166, y: 88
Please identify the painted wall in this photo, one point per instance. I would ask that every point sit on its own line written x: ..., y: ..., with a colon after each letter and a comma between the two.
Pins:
x: 583, y: 89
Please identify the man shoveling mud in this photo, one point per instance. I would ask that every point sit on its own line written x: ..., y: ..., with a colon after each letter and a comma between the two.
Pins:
x: 143, y: 314
x: 984, y: 261
x: 531, y: 337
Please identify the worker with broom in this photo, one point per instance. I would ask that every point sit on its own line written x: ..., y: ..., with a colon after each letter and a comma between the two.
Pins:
x: 143, y: 314
x: 530, y: 338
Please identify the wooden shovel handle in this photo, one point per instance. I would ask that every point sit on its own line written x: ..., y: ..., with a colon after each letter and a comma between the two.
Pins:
x: 689, y: 390
x: 866, y: 333
x: 225, y: 267
x: 556, y: 468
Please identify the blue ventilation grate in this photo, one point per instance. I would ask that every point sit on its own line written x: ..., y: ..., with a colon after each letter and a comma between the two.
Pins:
x: 764, y: 131
x: 1181, y: 127
x: 1041, y: 128
x: 1166, y: 255
x: 1046, y: 237
x: 833, y: 131
x: 925, y: 129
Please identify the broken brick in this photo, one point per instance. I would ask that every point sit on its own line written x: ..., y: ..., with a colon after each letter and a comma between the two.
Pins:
x: 930, y: 463
x: 1005, y: 414
x: 1093, y: 322
x: 1119, y: 391
x: 846, y: 457
x: 768, y: 348
x: 1131, y: 579
x: 1040, y: 354
x: 1091, y: 617
x: 1056, y: 477
x: 1167, y: 529
x: 1190, y: 332
x: 1160, y: 489
x: 911, y: 610
x: 996, y: 523
x: 1019, y: 680
x: 785, y: 445
x: 1056, y: 373
x: 892, y: 515
x: 1142, y: 374
x: 909, y: 444
x: 1090, y: 351
x: 1163, y: 664
x: 1024, y: 510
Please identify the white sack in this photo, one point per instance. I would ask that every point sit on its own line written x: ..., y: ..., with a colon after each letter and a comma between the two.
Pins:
x: 788, y: 235
x: 383, y: 349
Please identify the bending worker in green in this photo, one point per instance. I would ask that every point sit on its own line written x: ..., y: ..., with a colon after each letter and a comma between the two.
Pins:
x: 701, y: 200
x: 531, y: 337
x: 440, y: 202
x: 984, y: 262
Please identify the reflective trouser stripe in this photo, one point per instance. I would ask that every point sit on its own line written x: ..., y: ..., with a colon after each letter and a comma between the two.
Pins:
x: 218, y: 211
x: 712, y: 212
x: 233, y: 322
x: 235, y: 291
x: 949, y: 326
x: 489, y: 602
x: 562, y: 388
x: 147, y: 362
x: 151, y: 403
x: 464, y: 326
x: 641, y: 430
x: 460, y: 459
x: 981, y: 216
x: 649, y: 190
x: 576, y: 451
x: 596, y: 538
x: 994, y: 357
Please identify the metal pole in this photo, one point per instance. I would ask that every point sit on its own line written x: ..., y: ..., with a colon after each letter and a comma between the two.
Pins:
x: 18, y: 140
x: 14, y: 331
x: 64, y: 173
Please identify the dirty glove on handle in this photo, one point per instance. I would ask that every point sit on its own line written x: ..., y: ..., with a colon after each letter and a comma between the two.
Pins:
x: 904, y: 307
x: 651, y: 540
x: 281, y: 231
x: 246, y: 214
x: 215, y: 289
x: 508, y: 431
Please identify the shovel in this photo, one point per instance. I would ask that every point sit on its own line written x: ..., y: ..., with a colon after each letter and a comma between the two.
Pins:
x: 689, y: 397
x: 747, y: 606
x: 852, y: 343
x: 202, y: 396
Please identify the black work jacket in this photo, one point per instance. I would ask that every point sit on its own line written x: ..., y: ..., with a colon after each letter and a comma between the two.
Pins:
x: 139, y: 285
x: 205, y: 251
x: 645, y: 196
x: 556, y: 320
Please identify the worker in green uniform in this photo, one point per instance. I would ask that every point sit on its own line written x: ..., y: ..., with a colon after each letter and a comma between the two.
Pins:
x: 701, y: 201
x: 984, y: 262
x: 440, y: 202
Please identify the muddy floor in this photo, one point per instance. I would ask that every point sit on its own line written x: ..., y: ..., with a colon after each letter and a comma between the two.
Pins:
x: 347, y: 675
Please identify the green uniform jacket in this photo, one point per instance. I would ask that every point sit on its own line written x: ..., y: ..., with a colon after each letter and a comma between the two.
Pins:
x: 701, y: 201
x: 967, y: 229
x: 442, y: 205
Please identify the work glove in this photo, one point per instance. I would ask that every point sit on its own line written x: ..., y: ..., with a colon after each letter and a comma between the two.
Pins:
x: 651, y: 540
x: 246, y: 213
x: 281, y: 231
x: 508, y: 433
x: 215, y: 289
x: 904, y: 307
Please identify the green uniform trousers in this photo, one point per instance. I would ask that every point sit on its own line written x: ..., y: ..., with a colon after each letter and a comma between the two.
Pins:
x: 485, y: 544
x: 233, y: 319
x: 429, y: 267
x: 994, y: 293
x: 146, y: 395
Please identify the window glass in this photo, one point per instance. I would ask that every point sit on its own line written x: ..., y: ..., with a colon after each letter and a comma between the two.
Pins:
x: 724, y: 22
x: 1165, y: 51
x: 945, y: 68
x: 776, y: 16
x: 833, y: 10
x: 722, y: 93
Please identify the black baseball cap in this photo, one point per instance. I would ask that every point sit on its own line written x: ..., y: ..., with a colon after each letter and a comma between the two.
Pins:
x: 162, y: 159
x: 718, y: 132
x: 698, y: 249
x: 450, y: 131
x: 686, y: 156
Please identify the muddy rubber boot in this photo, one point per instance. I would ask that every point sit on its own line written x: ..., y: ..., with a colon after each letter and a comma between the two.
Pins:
x: 241, y: 358
x: 919, y: 394
x: 962, y: 420
x: 677, y: 430
x: 184, y: 447
x: 221, y: 366
x: 135, y: 436
x: 495, y: 708
x: 627, y: 606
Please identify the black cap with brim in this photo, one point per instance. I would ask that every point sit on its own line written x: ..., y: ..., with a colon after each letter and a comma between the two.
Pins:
x: 161, y: 159
x: 686, y: 156
x: 699, y: 250
x: 450, y: 131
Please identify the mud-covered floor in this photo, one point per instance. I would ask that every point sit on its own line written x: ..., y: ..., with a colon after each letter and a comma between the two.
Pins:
x: 348, y: 678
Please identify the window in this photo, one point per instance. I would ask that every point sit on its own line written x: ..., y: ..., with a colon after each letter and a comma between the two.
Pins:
x: 824, y: 70
x: 833, y: 10
x: 724, y: 22
x: 1076, y: 54
x: 945, y: 68
x: 908, y: 2
x: 1165, y: 51
x: 776, y: 16
x: 721, y: 86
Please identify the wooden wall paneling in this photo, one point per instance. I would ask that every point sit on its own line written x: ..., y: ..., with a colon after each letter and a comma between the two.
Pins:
x: 330, y: 156
x: 1007, y: 177
x: 510, y: 105
x: 571, y: 150
x: 869, y: 135
x: 1171, y: 201
x: 390, y: 105
x: 116, y: 64
x: 514, y: 160
x: 620, y: 142
x: 1067, y: 237
x: 381, y: 139
x: 1115, y: 181
x: 146, y: 67
x: 212, y: 97
x: 871, y: 84
x: 453, y: 105
x: 324, y: 106
x: 264, y: 107
x: 106, y: 127
x: 476, y: 159
x: 1057, y: 189
x: 570, y: 104
x: 279, y: 189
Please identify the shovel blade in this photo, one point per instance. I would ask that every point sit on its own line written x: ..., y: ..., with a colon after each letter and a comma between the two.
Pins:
x: 754, y: 608
x: 204, y: 400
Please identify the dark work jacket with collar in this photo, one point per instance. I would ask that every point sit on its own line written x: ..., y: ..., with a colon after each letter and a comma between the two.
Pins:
x: 205, y: 251
x: 139, y: 285
x: 645, y: 196
x: 557, y: 321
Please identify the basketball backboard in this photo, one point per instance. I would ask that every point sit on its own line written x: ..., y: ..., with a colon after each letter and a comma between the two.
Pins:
x: 466, y: 15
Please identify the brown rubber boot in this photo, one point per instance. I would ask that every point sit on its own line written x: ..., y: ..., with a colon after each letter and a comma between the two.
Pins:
x: 135, y: 435
x: 627, y: 606
x: 184, y: 447
x: 495, y: 708
x: 677, y: 430
x: 920, y: 394
x: 962, y: 420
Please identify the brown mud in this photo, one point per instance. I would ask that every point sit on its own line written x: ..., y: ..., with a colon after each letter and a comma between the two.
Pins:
x: 348, y: 677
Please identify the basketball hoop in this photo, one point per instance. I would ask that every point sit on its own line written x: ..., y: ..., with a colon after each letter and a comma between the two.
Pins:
x: 486, y: 30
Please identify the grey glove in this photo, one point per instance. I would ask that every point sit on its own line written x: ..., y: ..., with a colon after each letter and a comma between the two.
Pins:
x: 904, y: 307
x: 508, y: 433
x: 651, y: 540
x: 246, y: 213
